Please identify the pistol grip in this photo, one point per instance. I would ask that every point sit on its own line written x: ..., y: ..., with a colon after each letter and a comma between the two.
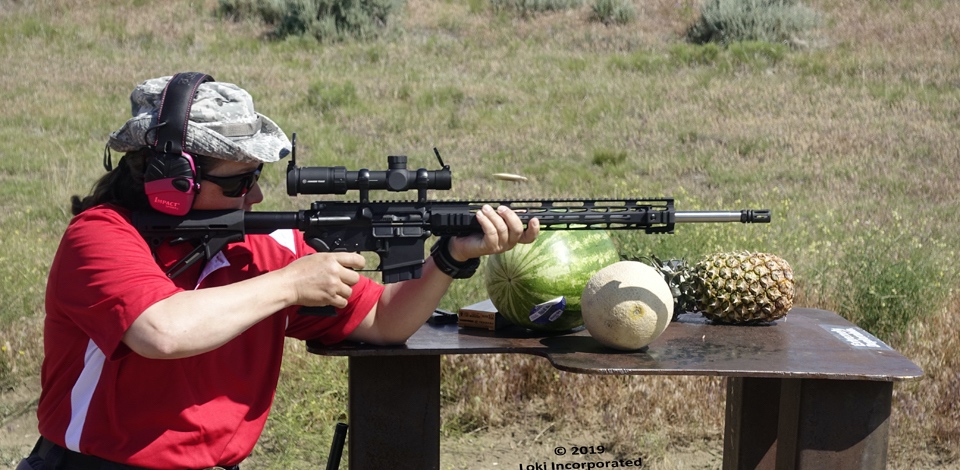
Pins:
x: 325, y: 311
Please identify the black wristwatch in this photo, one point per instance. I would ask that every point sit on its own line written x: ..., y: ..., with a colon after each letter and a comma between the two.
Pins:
x: 440, y: 252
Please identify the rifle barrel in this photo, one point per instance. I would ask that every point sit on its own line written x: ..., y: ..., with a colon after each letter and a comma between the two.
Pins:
x: 746, y: 216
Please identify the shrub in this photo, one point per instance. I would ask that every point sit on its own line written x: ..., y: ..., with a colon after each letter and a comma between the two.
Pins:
x: 613, y: 11
x: 729, y: 21
x: 268, y: 11
x: 527, y: 8
x: 326, y: 20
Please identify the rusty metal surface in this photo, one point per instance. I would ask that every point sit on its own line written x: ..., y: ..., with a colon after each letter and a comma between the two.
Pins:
x: 395, y: 412
x: 833, y: 424
x: 807, y: 343
x: 751, y: 424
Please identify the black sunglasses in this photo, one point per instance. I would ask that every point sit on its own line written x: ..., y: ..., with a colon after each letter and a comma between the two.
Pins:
x: 236, y: 185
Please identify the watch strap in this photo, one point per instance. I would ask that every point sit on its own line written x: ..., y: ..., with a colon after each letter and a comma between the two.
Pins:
x: 440, y: 252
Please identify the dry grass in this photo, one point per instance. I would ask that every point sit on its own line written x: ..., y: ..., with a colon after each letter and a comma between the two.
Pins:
x: 926, y: 416
x: 645, y: 414
x: 855, y: 135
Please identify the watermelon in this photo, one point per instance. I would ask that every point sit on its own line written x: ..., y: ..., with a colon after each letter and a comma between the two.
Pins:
x: 538, y: 286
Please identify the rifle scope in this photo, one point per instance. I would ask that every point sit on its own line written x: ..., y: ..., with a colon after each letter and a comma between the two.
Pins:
x: 339, y: 180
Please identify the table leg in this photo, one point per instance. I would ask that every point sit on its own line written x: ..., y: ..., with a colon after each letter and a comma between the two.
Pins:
x: 833, y: 424
x: 394, y: 412
x: 750, y: 426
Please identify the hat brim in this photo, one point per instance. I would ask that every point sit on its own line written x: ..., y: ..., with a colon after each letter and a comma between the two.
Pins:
x: 268, y: 144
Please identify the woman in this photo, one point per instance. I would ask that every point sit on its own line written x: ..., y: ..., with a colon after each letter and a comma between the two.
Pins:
x: 145, y: 371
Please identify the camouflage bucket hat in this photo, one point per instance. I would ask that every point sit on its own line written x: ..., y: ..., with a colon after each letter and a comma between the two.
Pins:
x: 223, y: 124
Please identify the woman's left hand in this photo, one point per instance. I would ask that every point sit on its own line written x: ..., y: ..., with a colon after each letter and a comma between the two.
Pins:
x: 502, y: 230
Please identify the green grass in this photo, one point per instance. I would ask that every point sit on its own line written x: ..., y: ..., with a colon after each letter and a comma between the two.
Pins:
x: 852, y: 144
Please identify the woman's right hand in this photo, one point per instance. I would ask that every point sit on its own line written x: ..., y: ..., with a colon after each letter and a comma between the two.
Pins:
x: 322, y: 279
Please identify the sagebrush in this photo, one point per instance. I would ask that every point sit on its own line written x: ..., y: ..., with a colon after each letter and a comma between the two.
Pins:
x: 325, y: 20
x: 730, y: 21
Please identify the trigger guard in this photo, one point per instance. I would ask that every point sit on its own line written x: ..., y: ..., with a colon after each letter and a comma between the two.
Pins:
x: 319, y: 245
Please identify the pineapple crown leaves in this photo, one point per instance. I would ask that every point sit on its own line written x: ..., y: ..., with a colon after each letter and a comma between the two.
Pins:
x: 670, y: 270
x: 676, y: 272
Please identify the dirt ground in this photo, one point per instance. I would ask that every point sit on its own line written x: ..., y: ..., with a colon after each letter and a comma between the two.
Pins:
x: 18, y: 431
x: 524, y: 446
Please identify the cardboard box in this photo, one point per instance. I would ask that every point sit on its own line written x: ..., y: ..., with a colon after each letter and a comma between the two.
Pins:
x: 481, y: 315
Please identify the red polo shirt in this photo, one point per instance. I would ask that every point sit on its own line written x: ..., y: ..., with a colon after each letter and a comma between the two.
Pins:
x: 101, y: 398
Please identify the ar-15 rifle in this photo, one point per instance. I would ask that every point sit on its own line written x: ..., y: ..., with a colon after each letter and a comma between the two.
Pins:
x: 397, y: 230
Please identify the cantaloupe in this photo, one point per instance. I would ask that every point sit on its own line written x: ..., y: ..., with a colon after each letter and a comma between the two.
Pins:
x: 626, y: 305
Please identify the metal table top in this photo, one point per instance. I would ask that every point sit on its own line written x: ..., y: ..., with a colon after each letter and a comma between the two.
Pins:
x: 807, y: 343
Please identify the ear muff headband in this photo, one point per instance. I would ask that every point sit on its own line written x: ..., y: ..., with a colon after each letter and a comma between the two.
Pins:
x: 171, y: 181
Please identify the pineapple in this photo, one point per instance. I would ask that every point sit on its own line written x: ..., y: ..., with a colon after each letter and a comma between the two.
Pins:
x: 737, y: 287
x: 678, y: 276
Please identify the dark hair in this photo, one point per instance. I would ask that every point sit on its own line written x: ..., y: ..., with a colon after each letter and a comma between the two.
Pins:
x: 123, y: 186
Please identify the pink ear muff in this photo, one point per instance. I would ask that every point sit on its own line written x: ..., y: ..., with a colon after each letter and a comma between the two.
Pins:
x: 170, y: 179
x: 170, y: 183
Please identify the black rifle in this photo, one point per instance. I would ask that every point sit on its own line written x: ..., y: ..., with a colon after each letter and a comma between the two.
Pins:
x: 397, y: 230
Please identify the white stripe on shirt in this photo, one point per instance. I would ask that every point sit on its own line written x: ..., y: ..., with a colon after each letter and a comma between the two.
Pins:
x: 285, y: 239
x: 82, y: 394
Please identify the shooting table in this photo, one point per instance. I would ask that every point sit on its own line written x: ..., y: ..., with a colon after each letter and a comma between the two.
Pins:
x: 810, y: 391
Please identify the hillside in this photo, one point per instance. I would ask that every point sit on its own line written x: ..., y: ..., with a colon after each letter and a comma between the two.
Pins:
x: 849, y: 135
